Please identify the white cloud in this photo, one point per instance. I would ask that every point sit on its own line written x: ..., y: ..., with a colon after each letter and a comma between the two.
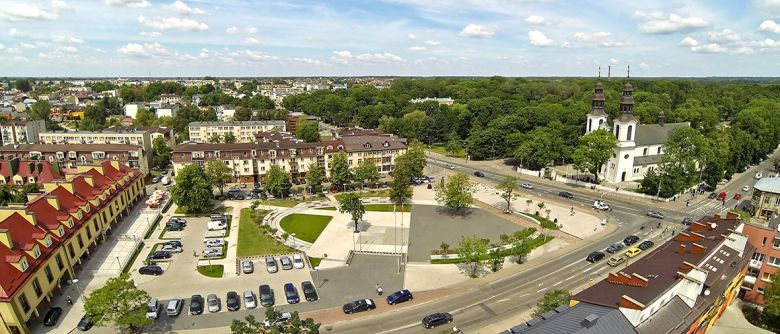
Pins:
x: 343, y: 54
x: 767, y: 44
x: 27, y: 45
x: 709, y: 48
x: 744, y: 50
x: 66, y: 39
x: 534, y: 19
x: 128, y: 3
x: 2, y: 47
x: 145, y: 50
x: 649, y: 15
x: 307, y: 61
x: 150, y: 33
x: 689, y: 41
x: 613, y: 61
x: 182, y: 8
x: 253, y: 55
x: 379, y: 57
x: 251, y: 41
x: 25, y: 12
x: 13, y: 33
x: 597, y: 39
x: 725, y: 36
x: 771, y: 7
x: 173, y: 23
x: 769, y: 26
x: 59, y: 6
x: 418, y: 48
x: 672, y: 23
x: 231, y: 30
x: 644, y: 65
x: 433, y: 43
x: 537, y: 38
x: 251, y: 30
x: 411, y: 36
x: 477, y: 31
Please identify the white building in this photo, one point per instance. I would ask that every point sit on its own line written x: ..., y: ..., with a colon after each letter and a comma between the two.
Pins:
x: 225, y: 112
x: 167, y: 110
x: 131, y: 109
x: 17, y: 132
x: 243, y: 131
x: 170, y: 98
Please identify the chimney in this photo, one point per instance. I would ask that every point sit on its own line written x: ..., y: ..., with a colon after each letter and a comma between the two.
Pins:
x: 53, y: 201
x: 5, y: 238
x: 687, y: 265
x: 681, y: 249
x: 716, y: 217
x: 590, y: 320
x: 698, y: 249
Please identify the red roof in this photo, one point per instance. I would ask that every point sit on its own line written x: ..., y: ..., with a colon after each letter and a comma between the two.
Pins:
x: 83, y: 189
x: 22, y: 233
x: 47, y: 216
x: 67, y: 200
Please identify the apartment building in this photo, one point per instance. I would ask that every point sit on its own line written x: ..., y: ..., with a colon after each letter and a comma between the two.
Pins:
x: 131, y: 109
x: 244, y: 131
x: 682, y: 286
x: 21, y: 132
x: 250, y: 161
x: 19, y: 173
x: 44, y: 242
x: 764, y: 264
x: 114, y: 135
x: 71, y: 156
x: 765, y: 202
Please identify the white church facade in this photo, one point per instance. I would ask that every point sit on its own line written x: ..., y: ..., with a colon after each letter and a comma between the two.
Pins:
x: 640, y: 146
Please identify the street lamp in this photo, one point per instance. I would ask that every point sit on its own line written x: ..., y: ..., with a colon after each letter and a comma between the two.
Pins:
x: 317, y: 274
x: 120, y: 264
x: 75, y: 282
x: 293, y: 239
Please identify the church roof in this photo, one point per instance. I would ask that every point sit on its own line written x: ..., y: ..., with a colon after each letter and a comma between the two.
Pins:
x: 654, y: 134
x: 597, y: 112
x: 648, y: 160
x: 626, y: 117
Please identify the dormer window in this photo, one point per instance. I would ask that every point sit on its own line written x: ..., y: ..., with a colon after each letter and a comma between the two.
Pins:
x: 36, y: 252
x: 70, y: 222
x: 60, y: 231
x: 47, y: 241
x: 23, y: 264
x: 367, y: 145
x: 386, y: 144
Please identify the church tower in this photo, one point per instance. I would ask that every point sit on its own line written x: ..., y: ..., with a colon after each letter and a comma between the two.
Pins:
x: 625, y: 131
x: 597, y: 118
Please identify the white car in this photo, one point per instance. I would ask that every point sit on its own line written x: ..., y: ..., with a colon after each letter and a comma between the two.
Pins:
x: 746, y: 188
x: 212, y: 252
x: 214, y: 242
x: 171, y: 248
x: 599, y: 205
x: 298, y: 261
x: 527, y: 186
x: 450, y: 166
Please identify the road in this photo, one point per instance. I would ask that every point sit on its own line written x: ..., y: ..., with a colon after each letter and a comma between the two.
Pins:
x: 482, y: 304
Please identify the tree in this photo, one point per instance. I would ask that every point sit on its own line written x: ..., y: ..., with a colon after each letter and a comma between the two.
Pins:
x: 161, y: 153
x: 456, y: 192
x: 41, y: 109
x: 145, y: 117
x: 551, y: 300
x: 473, y: 250
x: 277, y: 181
x: 507, y: 188
x: 314, y: 177
x: 192, y: 190
x: 445, y: 247
x: 308, y: 131
x: 215, y: 138
x: 771, y: 311
x: 366, y: 172
x: 219, y: 174
x: 118, y: 302
x: 415, y: 155
x: 294, y: 325
x: 242, y: 114
x: 23, y: 85
x: 229, y: 138
x: 352, y: 204
x: 454, y: 146
x: 340, y: 173
x: 593, y: 151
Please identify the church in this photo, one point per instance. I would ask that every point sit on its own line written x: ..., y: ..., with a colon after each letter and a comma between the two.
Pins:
x: 640, y: 146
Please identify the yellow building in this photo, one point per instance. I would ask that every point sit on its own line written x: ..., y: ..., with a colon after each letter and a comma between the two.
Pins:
x: 42, y: 241
x: 766, y: 198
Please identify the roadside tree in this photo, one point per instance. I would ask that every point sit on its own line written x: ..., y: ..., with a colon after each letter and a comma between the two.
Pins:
x: 352, y: 204
x: 219, y: 174
x: 508, y: 188
x: 551, y: 300
x: 456, y: 192
x: 192, y: 190
x: 366, y: 172
x: 593, y: 151
x: 277, y: 181
x: 118, y: 302
x: 473, y: 250
x: 314, y: 177
x: 340, y: 173
x: 161, y: 153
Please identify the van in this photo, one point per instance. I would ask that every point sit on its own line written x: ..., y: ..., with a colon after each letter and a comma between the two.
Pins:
x: 174, y: 307
x: 153, y: 308
x: 217, y: 225
x: 217, y: 217
x: 615, y: 261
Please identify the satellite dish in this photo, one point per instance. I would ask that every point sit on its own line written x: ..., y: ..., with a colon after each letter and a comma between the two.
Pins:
x: 713, y: 226
x: 707, y: 292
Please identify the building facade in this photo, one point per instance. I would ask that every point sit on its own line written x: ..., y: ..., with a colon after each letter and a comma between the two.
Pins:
x: 764, y: 262
x: 115, y: 135
x: 71, y: 156
x: 19, y: 173
x: 21, y: 132
x: 765, y: 202
x: 244, y: 131
x: 131, y: 109
x: 44, y: 242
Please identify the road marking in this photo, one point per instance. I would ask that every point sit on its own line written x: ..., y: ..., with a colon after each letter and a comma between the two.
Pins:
x: 559, y: 282
x: 502, y: 300
x: 587, y: 270
x: 572, y: 276
x: 542, y: 289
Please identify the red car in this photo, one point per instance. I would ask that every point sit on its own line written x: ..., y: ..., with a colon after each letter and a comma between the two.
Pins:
x: 737, y: 196
x: 334, y: 190
x: 722, y: 196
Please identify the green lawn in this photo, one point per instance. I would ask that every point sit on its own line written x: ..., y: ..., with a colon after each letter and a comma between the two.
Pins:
x: 329, y: 208
x: 375, y: 207
x: 315, y: 261
x: 214, y: 271
x: 371, y: 193
x: 290, y: 202
x: 305, y: 227
x: 252, y: 241
x: 443, y: 150
x: 533, y: 243
x: 133, y: 258
x: 546, y: 223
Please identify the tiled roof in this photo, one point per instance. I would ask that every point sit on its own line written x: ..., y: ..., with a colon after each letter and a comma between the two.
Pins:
x: 769, y: 184
x: 22, y: 235
x: 572, y: 320
x: 49, y: 148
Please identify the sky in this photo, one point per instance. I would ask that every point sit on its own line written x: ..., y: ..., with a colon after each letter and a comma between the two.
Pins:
x: 177, y: 38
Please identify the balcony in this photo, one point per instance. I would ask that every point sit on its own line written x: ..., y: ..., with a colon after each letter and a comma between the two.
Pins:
x: 750, y: 279
x: 755, y: 264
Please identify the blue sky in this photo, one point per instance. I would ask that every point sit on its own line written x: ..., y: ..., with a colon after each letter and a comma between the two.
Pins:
x: 389, y: 37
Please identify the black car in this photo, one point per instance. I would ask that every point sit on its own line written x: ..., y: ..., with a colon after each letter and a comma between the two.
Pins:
x: 479, y: 174
x: 614, y: 248
x: 712, y: 196
x: 196, y: 304
x: 565, y: 194
x: 52, y: 316
x: 595, y: 256
x: 309, y: 292
x: 233, y: 302
x: 296, y: 182
x: 266, y: 295
x: 630, y: 240
x: 254, y: 196
x: 150, y: 270
x: 257, y: 185
x: 174, y: 227
x: 436, y: 319
x: 157, y: 255
x: 178, y: 220
x: 358, y: 306
x: 174, y: 243
x: 84, y: 324
x: 687, y: 220
x: 645, y: 245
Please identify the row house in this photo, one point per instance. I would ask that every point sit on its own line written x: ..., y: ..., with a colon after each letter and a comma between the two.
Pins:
x: 44, y: 242
x: 19, y: 173
x: 70, y: 156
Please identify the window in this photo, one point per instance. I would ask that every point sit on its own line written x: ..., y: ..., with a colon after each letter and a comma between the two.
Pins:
x: 777, y: 201
x: 659, y: 150
x: 617, y: 131
x: 71, y: 251
x: 37, y: 287
x: 763, y: 242
x: 758, y: 256
x: 760, y: 291
x: 47, y: 271
x: 60, y: 265
x: 628, y: 134
x: 752, y: 272
x: 644, y: 152
x: 767, y: 277
x: 36, y: 252
x: 24, y: 303
x: 776, y: 243
x: 773, y: 261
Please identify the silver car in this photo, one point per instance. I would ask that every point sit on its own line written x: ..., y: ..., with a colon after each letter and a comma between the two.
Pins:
x: 213, y: 302
x: 270, y: 264
x: 247, y: 267
x: 249, y: 299
x: 286, y: 262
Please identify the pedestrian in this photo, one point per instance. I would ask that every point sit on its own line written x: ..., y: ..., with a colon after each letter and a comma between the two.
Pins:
x: 69, y: 301
x: 687, y: 203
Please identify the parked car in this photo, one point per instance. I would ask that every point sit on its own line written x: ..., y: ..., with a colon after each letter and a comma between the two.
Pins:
x: 250, y: 301
x: 159, y: 255
x: 216, y: 225
x: 281, y: 318
x: 436, y: 319
x: 270, y: 264
x: 687, y: 220
x: 599, y: 205
x: 645, y: 245
x: 266, y: 295
x: 175, y: 243
x: 712, y: 196
x: 155, y: 179
x: 85, y: 323
x: 52, y: 316
x: 232, y: 301
x: 286, y: 262
x: 615, y: 247
x: 358, y: 306
x: 212, y: 252
x: 174, y: 307
x: 174, y: 227
x: 565, y: 194
x: 214, y: 242
x: 655, y: 214
x: 399, y: 297
x: 630, y: 240
x: 213, y: 301
x: 615, y: 260
x: 178, y: 220
x: 746, y: 188
x: 247, y: 267
x: 633, y: 251
x: 527, y: 186
x: 291, y: 293
x: 308, y: 291
x: 479, y: 174
x: 254, y: 196
x: 217, y: 216
x: 153, y: 308
x: 196, y: 304
x: 595, y: 256
x: 298, y: 261
x: 150, y: 270
x: 171, y: 248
